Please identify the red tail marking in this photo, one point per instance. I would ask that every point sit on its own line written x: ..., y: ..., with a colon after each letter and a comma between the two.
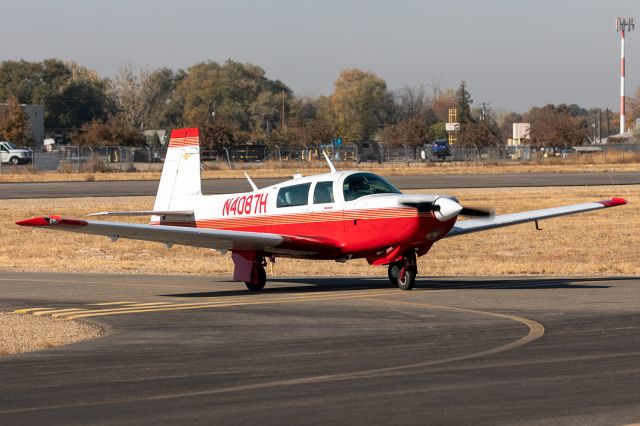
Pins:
x: 184, y: 137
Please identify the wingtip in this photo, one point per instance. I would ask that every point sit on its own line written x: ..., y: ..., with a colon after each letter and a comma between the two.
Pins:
x: 50, y: 220
x: 39, y: 221
x: 615, y: 201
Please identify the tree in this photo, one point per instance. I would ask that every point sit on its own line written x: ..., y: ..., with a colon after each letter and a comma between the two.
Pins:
x: 21, y: 79
x: 127, y: 91
x: 438, y: 130
x: 411, y: 102
x: 463, y: 104
x: 310, y: 122
x: 142, y: 98
x: 557, y: 126
x: 78, y: 102
x: 219, y: 132
x: 480, y: 134
x: 414, y: 131
x: 633, y: 107
x: 266, y: 107
x: 70, y: 93
x: 14, y: 123
x: 361, y: 104
x: 443, y: 103
x: 228, y: 90
x: 112, y: 131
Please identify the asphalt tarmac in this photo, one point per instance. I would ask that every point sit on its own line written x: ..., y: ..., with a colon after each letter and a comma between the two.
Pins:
x: 203, y: 350
x: 225, y: 186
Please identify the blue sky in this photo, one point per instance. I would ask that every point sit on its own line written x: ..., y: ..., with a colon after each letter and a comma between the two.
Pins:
x: 513, y: 54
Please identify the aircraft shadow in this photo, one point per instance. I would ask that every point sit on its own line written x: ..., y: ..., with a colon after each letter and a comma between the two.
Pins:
x: 337, y: 284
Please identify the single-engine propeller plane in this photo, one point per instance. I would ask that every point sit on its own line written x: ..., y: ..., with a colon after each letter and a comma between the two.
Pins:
x: 338, y: 216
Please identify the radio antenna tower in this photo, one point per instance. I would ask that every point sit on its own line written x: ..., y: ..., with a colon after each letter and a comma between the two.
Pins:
x: 622, y: 26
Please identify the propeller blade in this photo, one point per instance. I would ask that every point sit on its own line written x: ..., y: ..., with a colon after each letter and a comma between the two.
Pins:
x: 476, y: 212
x: 423, y: 206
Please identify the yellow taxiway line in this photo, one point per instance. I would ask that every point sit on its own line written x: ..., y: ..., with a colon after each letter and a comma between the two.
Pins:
x: 121, y: 308
x: 535, y: 331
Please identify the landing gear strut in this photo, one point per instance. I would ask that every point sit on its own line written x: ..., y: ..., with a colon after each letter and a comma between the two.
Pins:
x: 403, y: 273
x: 260, y: 280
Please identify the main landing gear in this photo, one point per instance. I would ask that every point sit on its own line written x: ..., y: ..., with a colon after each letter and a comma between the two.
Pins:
x: 403, y: 273
x: 248, y: 266
x: 260, y: 277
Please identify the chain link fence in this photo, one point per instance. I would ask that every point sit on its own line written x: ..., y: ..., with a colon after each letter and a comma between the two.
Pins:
x: 69, y: 158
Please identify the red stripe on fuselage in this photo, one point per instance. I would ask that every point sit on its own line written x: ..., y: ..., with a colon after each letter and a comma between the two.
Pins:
x: 356, y: 232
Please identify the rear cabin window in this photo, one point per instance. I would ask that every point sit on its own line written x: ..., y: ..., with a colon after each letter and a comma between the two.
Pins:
x: 360, y: 184
x: 323, y: 193
x: 295, y: 195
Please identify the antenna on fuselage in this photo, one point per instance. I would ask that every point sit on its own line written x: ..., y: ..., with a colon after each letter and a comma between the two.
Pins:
x: 333, y: 169
x: 253, y: 185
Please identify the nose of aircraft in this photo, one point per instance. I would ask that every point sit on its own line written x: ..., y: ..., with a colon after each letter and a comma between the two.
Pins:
x: 447, y: 209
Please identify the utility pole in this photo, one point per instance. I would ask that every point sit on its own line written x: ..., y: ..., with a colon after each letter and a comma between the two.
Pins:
x: 483, y: 111
x: 282, y: 126
x: 622, y: 26
x: 599, y: 125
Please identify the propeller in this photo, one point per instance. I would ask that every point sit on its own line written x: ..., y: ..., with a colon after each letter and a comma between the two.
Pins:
x: 447, y: 208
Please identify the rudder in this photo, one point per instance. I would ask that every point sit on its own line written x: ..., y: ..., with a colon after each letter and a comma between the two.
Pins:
x: 180, y: 184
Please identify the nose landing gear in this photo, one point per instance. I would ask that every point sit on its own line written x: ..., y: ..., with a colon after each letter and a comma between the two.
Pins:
x: 403, y: 273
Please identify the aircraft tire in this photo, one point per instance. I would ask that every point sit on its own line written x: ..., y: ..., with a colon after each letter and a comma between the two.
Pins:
x: 262, y: 280
x: 392, y: 272
x: 408, y: 280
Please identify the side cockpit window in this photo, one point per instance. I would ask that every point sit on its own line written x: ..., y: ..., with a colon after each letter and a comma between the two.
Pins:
x: 323, y: 193
x: 360, y: 184
x: 294, y: 195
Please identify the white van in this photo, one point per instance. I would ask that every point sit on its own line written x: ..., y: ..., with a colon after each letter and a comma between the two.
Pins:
x: 9, y: 153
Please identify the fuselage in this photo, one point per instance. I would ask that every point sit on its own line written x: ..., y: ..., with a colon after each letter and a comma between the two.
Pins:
x: 344, y: 215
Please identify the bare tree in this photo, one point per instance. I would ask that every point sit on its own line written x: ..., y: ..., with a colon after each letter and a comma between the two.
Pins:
x: 411, y: 102
x: 128, y: 92
x: 435, y: 88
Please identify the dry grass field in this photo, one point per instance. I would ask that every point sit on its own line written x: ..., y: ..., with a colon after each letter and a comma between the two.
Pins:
x: 603, y: 243
x: 577, y: 164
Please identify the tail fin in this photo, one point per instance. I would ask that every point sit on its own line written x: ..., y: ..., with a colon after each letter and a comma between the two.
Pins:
x: 180, y: 181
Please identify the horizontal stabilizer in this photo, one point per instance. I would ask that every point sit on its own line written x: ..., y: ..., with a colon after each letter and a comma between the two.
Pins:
x: 146, y: 213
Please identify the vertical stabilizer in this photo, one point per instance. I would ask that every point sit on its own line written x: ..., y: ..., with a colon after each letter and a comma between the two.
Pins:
x: 180, y: 181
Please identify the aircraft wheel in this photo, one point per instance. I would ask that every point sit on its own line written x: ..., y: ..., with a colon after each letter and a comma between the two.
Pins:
x: 262, y: 280
x: 393, y: 271
x: 406, y: 280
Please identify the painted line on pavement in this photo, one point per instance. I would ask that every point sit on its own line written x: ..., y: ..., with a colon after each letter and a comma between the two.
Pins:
x: 134, y: 307
x: 536, y: 331
x: 221, y: 304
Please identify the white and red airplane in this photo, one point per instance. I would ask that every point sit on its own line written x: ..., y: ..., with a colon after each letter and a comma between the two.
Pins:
x: 337, y: 216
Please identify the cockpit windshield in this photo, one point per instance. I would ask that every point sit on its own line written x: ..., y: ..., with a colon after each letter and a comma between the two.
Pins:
x: 360, y: 184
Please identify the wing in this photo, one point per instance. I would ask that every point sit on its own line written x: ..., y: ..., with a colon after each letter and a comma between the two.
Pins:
x: 477, y: 225
x: 196, y: 237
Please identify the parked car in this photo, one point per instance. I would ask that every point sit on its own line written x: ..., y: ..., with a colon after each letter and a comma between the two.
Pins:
x: 563, y: 152
x: 9, y: 153
x: 368, y: 151
x: 440, y: 149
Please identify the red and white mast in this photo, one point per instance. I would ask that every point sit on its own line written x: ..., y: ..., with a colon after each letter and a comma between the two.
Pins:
x: 623, y: 25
